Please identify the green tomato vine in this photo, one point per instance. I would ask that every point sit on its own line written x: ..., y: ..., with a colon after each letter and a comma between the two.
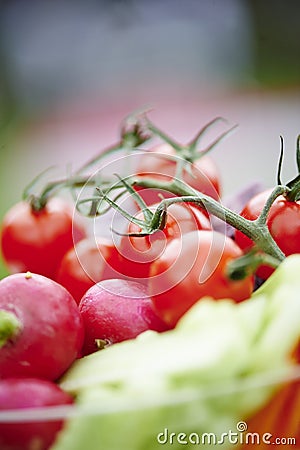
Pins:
x: 136, y: 130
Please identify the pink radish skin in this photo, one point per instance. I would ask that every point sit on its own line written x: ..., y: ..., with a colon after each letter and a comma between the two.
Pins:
x: 116, y: 310
x: 45, y: 334
x: 17, y: 394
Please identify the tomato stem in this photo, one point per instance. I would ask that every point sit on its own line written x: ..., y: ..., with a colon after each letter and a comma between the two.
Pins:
x: 298, y: 153
x: 277, y: 191
x: 189, y: 152
x: 133, y: 134
x: 257, y: 230
x: 280, y: 161
x: 9, y: 326
x: 136, y: 130
x: 246, y: 265
x: 293, y: 192
x: 192, y: 146
x: 165, y: 137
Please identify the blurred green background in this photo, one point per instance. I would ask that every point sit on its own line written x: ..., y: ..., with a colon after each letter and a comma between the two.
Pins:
x: 70, y: 71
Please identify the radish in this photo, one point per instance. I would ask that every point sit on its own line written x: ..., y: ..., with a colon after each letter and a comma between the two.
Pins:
x: 41, y: 331
x: 17, y: 394
x: 116, y: 310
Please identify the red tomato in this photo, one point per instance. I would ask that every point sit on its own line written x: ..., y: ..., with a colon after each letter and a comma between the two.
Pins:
x: 191, y: 268
x: 139, y: 252
x: 37, y: 240
x: 283, y: 222
x: 157, y: 164
x: 90, y: 261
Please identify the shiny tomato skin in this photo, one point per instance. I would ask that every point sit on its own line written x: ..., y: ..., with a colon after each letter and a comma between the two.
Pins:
x: 90, y: 261
x: 283, y: 222
x: 192, y: 268
x: 139, y: 252
x: 37, y: 240
x: 157, y: 164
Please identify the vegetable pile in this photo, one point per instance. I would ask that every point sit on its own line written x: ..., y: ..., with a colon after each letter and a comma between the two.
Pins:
x: 159, y: 327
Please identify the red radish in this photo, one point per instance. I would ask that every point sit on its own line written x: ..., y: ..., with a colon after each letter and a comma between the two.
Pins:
x: 18, y: 394
x: 90, y: 261
x: 41, y: 331
x: 36, y: 240
x: 116, y: 310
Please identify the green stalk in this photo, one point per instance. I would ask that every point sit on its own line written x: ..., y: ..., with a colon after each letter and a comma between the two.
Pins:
x: 256, y: 230
x: 9, y: 326
x: 293, y: 194
x: 132, y: 136
x: 247, y: 264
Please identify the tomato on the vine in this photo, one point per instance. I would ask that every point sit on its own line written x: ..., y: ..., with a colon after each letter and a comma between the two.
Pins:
x: 160, y: 163
x: 138, y: 252
x: 283, y: 222
x: 37, y: 240
x: 194, y: 267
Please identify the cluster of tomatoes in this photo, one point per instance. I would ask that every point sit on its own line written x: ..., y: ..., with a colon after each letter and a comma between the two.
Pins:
x: 71, y: 294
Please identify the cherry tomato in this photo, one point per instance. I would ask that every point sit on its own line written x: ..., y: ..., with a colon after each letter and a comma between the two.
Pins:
x: 139, y: 252
x: 191, y: 268
x: 157, y: 164
x: 283, y: 222
x: 90, y: 261
x: 37, y: 240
